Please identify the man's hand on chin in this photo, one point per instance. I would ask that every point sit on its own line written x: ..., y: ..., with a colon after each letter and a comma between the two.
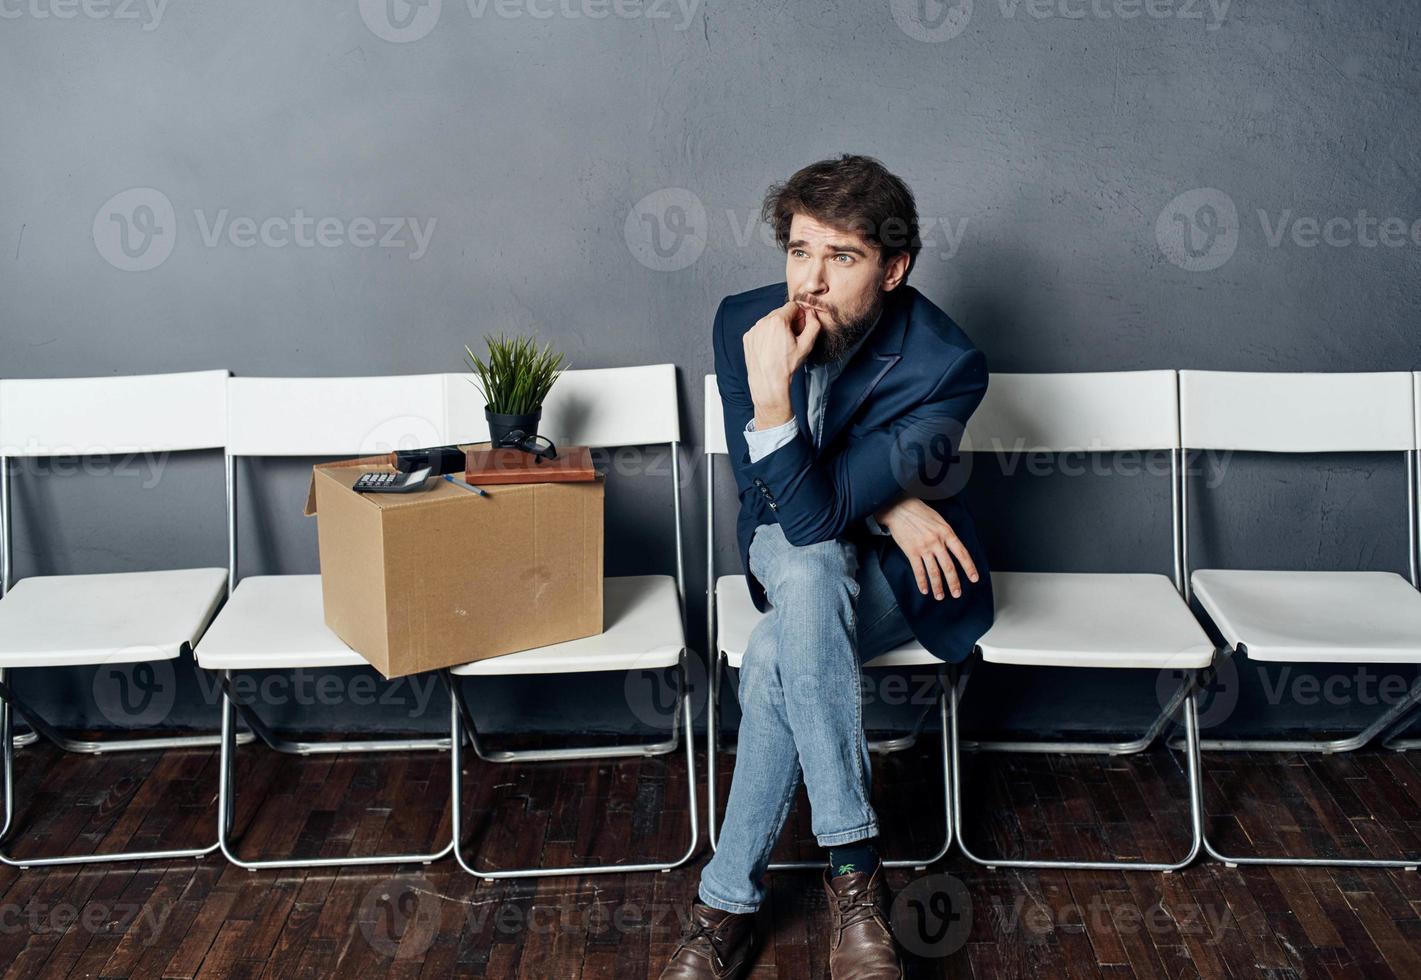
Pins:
x: 775, y: 347
x: 929, y: 543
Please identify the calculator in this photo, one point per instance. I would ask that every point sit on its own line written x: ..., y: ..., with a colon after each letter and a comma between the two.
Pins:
x: 391, y: 482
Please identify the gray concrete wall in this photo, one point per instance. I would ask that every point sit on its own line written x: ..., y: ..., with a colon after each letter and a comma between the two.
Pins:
x: 342, y: 187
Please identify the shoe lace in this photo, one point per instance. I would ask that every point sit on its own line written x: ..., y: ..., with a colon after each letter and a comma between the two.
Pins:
x: 856, y: 907
x: 701, y: 937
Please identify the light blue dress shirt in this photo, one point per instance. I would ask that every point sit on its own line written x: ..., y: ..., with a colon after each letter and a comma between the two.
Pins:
x: 821, y: 378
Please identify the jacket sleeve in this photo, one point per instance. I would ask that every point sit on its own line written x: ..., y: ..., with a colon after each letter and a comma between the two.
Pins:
x: 817, y: 500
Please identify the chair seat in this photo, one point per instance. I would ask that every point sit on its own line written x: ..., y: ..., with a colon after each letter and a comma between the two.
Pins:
x: 736, y: 616
x: 1308, y: 617
x: 641, y: 620
x: 274, y: 622
x: 111, y: 618
x: 1059, y: 619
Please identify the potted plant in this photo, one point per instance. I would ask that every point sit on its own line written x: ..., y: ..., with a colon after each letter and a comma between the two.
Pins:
x: 514, y: 379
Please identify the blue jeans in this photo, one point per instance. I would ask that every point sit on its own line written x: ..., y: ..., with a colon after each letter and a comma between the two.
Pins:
x: 801, y: 707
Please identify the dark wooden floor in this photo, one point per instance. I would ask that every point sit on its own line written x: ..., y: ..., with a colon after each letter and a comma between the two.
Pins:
x: 208, y: 919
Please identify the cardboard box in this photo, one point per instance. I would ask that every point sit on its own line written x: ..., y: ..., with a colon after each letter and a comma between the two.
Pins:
x: 443, y: 576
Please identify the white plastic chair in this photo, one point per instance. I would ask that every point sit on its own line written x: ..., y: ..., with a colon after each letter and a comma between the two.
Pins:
x: 105, y: 619
x: 276, y: 622
x: 1352, y: 617
x: 1131, y: 621
x: 643, y: 614
x: 731, y: 616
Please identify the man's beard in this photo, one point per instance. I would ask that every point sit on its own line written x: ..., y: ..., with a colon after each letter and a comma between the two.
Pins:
x: 835, y: 339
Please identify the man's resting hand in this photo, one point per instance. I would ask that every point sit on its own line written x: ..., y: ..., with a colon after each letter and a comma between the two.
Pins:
x: 930, y: 544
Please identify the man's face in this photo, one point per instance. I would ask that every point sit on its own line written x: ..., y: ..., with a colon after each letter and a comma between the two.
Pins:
x: 838, y: 275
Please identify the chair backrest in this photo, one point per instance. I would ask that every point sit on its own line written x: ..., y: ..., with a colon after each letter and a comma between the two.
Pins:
x: 596, y: 407
x: 1416, y: 406
x: 632, y: 406
x: 336, y: 416
x: 1297, y: 413
x: 1300, y: 413
x: 1102, y: 412
x: 1092, y: 412
x: 133, y: 413
x: 715, y: 420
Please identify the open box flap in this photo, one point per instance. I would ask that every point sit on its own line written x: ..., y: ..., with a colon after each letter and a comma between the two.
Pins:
x: 366, y: 462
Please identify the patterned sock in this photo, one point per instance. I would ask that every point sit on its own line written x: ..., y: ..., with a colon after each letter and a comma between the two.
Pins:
x: 848, y: 858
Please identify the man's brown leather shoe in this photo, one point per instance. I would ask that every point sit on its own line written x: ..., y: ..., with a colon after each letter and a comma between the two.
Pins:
x: 861, y: 943
x: 718, y: 946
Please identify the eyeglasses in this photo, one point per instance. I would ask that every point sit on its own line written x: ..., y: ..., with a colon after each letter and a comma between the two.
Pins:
x: 518, y: 439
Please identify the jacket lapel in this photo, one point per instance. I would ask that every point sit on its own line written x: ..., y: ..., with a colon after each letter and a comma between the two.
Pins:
x: 872, y: 361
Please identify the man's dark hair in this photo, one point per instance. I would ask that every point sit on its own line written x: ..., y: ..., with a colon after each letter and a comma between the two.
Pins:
x: 853, y: 193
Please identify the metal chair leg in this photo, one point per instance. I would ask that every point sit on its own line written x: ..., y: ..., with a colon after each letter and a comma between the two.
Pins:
x: 1191, y: 735
x: 1233, y: 861
x: 460, y: 717
x: 917, y: 864
x: 227, y: 805
x: 7, y: 763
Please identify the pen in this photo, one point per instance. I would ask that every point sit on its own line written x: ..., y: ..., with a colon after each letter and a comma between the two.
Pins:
x: 467, y: 486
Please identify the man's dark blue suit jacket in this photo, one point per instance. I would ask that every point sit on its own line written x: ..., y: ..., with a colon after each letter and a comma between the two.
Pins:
x: 893, y: 423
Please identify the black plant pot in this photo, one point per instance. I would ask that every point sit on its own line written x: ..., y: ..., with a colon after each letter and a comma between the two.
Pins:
x: 501, y: 427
